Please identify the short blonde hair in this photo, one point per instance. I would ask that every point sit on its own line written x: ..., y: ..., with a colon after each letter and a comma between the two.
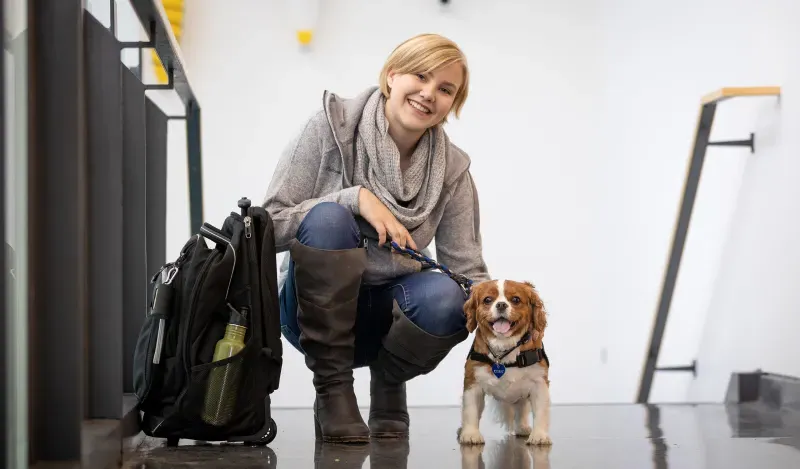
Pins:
x: 425, y: 53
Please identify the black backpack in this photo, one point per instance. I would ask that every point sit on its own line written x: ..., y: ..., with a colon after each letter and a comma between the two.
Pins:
x: 192, y: 300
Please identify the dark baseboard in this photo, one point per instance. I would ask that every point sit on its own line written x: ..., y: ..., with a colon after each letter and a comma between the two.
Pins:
x: 770, y: 389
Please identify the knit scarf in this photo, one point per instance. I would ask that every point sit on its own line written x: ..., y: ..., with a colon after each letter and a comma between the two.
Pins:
x: 409, y: 196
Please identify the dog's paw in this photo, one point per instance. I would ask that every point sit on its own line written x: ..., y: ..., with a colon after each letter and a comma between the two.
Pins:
x: 539, y: 438
x: 470, y: 436
x: 522, y: 430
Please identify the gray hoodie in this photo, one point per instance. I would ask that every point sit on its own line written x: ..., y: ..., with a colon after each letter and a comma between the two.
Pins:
x: 317, y: 166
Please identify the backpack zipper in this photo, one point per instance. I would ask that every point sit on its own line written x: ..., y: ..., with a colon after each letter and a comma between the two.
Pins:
x: 248, y: 233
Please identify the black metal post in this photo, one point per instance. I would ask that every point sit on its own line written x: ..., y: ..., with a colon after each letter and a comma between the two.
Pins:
x: 750, y: 143
x: 104, y: 146
x: 692, y: 368
x: 195, y: 165
x: 691, y: 183
x: 156, y: 193
x: 134, y: 218
x: 57, y: 212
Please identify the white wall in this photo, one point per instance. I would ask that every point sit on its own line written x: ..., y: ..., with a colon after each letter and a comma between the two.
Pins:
x: 752, y: 310
x: 659, y: 59
x: 582, y: 112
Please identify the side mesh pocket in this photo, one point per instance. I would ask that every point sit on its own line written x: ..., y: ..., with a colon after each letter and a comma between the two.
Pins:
x: 222, y: 392
x: 213, y: 392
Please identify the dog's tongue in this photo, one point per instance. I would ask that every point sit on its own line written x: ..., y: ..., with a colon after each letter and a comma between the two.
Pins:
x: 501, y: 326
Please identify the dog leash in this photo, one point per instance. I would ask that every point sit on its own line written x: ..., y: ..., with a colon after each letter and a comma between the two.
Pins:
x: 368, y: 231
x: 461, y: 280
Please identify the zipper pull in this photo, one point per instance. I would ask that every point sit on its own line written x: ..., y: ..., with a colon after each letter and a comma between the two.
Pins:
x: 248, y: 231
x: 168, y: 276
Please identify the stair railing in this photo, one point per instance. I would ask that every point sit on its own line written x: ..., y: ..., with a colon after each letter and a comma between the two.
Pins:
x: 708, y: 108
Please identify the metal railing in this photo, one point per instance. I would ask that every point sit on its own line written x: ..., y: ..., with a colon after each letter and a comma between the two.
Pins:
x: 694, y: 169
x: 97, y: 224
x: 154, y: 19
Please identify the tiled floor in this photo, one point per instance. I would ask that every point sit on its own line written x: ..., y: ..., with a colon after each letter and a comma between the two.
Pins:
x: 613, y: 436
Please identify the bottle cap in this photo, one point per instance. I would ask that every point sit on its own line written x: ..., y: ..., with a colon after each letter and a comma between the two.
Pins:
x: 237, y: 318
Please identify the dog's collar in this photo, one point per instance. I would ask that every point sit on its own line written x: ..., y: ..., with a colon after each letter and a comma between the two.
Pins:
x: 526, y: 358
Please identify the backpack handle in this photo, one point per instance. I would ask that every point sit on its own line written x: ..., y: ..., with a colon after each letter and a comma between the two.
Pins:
x: 214, y: 234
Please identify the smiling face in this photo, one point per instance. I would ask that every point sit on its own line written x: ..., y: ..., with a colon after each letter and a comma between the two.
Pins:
x: 424, y: 79
x: 505, y: 309
x: 420, y: 100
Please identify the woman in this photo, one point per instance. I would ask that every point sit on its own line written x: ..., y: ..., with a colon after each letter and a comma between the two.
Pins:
x: 380, y: 161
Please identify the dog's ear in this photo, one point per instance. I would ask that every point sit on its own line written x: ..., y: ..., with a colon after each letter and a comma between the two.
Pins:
x: 539, y: 313
x: 470, y: 311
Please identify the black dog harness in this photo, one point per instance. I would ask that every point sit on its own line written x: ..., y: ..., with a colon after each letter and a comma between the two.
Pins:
x: 526, y: 358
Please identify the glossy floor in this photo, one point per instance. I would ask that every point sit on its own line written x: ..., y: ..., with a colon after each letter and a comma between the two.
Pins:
x: 613, y: 436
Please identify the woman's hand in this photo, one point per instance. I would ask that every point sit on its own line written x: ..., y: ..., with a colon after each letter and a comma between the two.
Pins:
x: 377, y: 215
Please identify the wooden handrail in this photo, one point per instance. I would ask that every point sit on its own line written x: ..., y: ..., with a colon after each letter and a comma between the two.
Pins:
x: 694, y: 168
x: 732, y: 92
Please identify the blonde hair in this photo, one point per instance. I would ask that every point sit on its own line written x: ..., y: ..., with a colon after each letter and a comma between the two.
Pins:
x: 425, y: 53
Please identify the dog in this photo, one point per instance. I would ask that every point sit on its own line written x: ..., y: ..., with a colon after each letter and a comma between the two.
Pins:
x: 507, y: 361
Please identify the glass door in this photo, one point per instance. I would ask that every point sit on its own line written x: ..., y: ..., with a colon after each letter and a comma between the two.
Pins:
x: 13, y: 182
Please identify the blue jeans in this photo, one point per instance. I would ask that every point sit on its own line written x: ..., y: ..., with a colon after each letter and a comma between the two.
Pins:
x: 430, y: 299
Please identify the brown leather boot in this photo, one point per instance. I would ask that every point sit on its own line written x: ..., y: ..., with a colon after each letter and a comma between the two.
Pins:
x: 407, y: 352
x: 328, y: 283
x: 388, y: 413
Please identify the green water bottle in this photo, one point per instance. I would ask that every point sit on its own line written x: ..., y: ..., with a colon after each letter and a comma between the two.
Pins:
x: 223, y: 381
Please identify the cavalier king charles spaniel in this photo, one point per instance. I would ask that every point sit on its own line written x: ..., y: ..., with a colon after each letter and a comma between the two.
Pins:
x: 507, y: 361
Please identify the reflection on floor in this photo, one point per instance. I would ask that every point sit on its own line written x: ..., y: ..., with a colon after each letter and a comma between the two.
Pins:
x: 613, y: 436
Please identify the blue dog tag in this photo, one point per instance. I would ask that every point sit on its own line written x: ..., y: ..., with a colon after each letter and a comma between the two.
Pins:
x: 498, y: 369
